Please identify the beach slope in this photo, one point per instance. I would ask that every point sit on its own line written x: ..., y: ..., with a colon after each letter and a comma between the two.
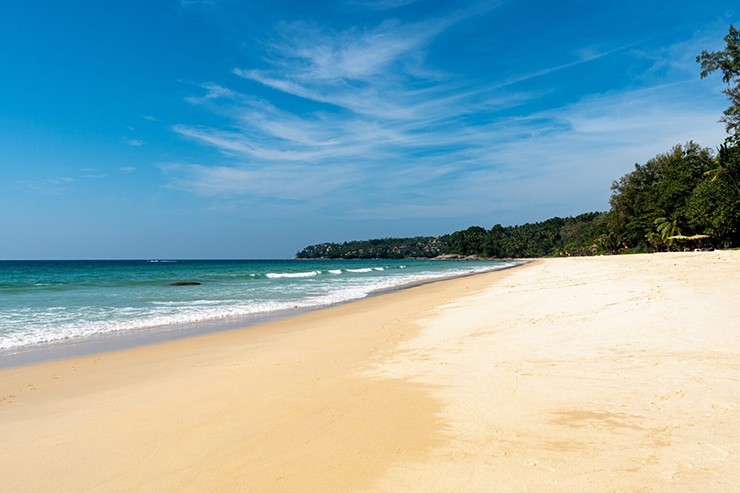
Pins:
x: 583, y: 374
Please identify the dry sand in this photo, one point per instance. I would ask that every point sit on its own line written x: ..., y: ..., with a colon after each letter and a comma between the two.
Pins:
x: 588, y: 374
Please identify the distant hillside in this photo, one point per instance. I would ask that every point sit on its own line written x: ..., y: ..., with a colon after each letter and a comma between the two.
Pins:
x: 554, y: 237
x: 418, y: 247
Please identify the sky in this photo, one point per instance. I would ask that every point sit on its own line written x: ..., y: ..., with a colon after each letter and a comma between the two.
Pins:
x: 230, y: 129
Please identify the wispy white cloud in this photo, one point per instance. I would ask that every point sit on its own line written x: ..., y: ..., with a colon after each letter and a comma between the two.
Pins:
x: 212, y: 92
x: 384, y: 135
x: 585, y: 55
x: 92, y: 173
x: 127, y: 170
x: 294, y: 183
x: 362, y: 71
x: 135, y: 142
x: 53, y: 185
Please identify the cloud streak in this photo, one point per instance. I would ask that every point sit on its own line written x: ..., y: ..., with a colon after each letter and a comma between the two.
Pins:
x: 381, y: 133
x: 53, y: 185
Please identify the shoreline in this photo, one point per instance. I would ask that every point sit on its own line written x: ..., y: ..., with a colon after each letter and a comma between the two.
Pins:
x: 286, y: 398
x: 118, y: 340
x: 575, y: 374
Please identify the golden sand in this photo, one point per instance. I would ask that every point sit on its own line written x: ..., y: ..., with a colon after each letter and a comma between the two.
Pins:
x: 587, y: 374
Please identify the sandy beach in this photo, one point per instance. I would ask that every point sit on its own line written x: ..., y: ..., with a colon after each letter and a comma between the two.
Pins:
x: 574, y: 375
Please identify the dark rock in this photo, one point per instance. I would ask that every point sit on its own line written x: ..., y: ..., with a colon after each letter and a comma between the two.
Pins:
x: 185, y: 283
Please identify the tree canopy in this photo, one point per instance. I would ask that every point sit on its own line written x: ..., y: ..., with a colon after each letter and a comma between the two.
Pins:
x: 417, y: 247
x: 727, y: 61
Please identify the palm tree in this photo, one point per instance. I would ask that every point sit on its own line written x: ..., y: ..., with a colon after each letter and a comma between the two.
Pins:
x: 655, y: 240
x: 609, y: 241
x: 666, y: 229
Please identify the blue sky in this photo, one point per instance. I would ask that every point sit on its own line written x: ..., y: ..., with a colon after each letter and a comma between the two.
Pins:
x: 227, y: 129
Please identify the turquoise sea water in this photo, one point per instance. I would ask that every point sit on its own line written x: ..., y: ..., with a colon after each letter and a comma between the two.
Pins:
x: 48, y: 301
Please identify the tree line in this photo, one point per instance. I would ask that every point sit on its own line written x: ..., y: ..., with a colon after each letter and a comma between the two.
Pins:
x: 686, y: 197
x: 393, y: 248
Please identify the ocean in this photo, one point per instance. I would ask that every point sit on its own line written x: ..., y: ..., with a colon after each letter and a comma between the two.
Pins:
x: 45, y: 302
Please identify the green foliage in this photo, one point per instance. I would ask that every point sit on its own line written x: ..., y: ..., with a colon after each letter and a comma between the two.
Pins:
x: 727, y: 61
x: 714, y: 205
x: 555, y: 236
x: 651, y: 203
x: 527, y: 240
x: 665, y: 229
x: 467, y: 242
x: 418, y: 247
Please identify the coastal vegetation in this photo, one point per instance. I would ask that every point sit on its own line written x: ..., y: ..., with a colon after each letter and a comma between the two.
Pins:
x: 393, y: 248
x: 687, y: 197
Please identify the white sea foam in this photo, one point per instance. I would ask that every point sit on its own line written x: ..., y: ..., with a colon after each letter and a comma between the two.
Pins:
x: 195, y: 303
x: 101, y: 321
x: 20, y: 326
x: 282, y: 275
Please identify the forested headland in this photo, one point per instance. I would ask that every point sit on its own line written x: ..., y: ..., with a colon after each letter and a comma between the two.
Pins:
x: 687, y: 197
